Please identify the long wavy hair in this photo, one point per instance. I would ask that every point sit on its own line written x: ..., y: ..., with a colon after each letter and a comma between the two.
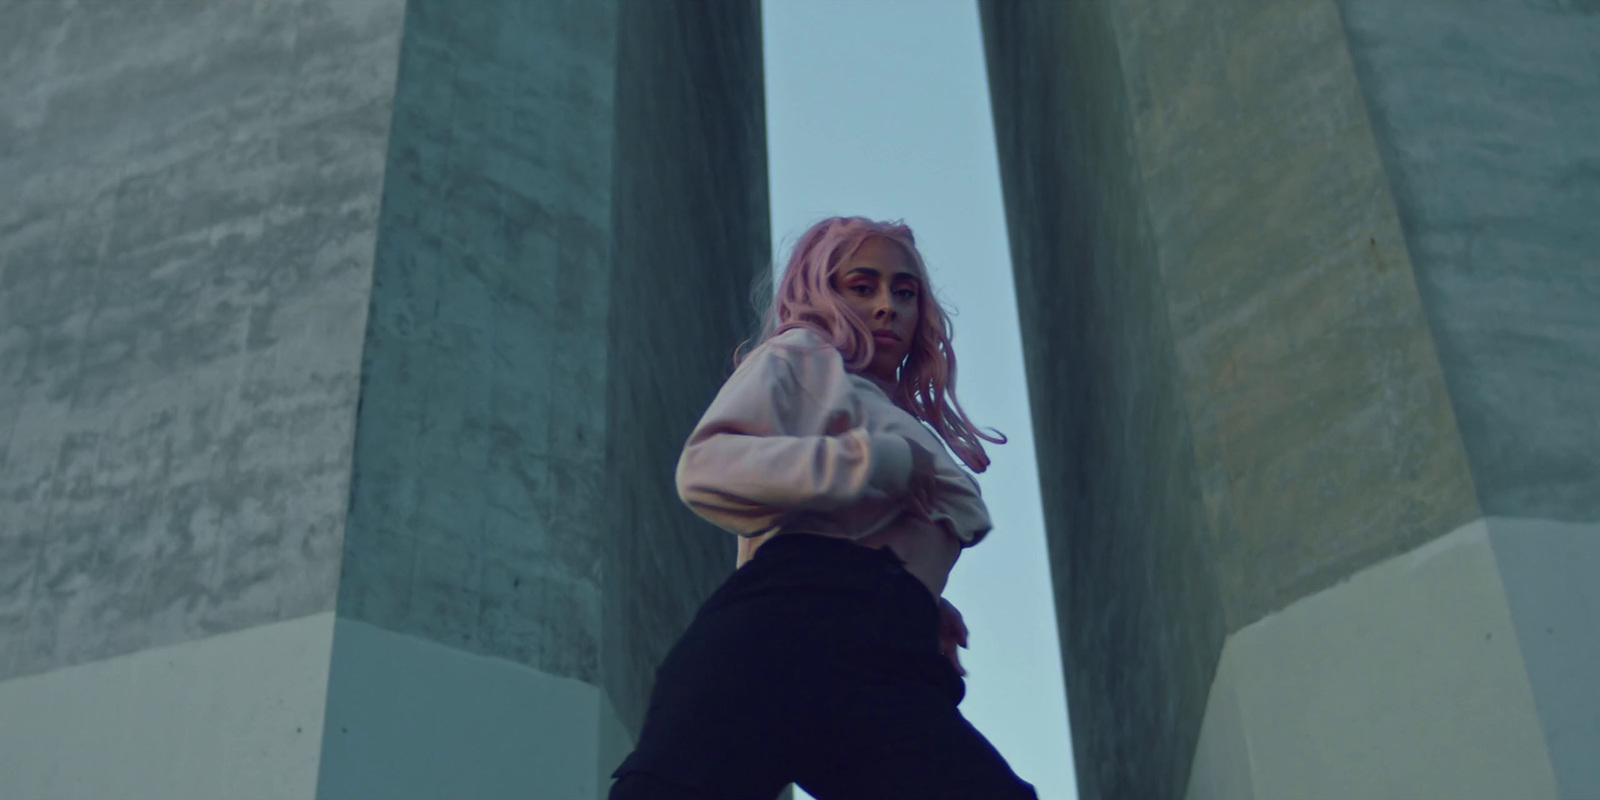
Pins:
x: 806, y: 299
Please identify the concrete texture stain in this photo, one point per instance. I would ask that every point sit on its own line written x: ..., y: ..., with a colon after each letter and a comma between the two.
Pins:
x: 1322, y: 425
x: 316, y: 304
x: 1135, y: 570
x: 1233, y: 363
x: 191, y: 203
x: 1490, y: 131
x: 480, y: 450
x: 551, y: 312
x: 691, y: 136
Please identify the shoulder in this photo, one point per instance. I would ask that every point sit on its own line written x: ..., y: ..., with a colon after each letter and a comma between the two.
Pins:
x: 801, y: 354
x: 795, y: 347
x: 800, y: 339
x: 808, y: 353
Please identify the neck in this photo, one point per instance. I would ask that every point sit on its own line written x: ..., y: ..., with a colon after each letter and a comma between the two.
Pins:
x: 888, y: 385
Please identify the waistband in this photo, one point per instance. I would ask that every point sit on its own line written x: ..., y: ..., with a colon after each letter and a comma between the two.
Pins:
x: 791, y: 546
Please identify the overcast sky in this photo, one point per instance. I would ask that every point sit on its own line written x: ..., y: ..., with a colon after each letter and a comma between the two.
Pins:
x: 880, y: 108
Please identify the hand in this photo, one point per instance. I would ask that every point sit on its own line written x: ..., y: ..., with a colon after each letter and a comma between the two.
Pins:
x: 919, y: 494
x: 952, y: 633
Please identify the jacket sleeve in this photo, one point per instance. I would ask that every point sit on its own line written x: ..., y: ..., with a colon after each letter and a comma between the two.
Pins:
x: 767, y: 447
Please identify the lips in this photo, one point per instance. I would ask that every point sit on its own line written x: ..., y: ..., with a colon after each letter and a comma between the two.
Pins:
x: 886, y: 334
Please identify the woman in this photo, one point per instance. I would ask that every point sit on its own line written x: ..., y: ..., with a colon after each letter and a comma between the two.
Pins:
x: 828, y: 658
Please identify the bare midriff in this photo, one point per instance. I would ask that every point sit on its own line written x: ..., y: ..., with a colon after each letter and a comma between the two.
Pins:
x: 929, y: 551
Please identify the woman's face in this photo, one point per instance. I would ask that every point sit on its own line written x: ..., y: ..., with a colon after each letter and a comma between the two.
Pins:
x: 880, y: 286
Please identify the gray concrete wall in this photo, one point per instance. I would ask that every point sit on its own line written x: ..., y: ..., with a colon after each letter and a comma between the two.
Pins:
x: 265, y: 263
x: 410, y: 717
x: 690, y: 233
x: 574, y: 210
x: 235, y: 714
x: 1134, y: 565
x: 1549, y: 570
x: 1409, y: 679
x: 1489, y: 125
x: 479, y: 458
x: 188, y: 206
x: 1488, y: 118
x: 1321, y: 418
x: 1235, y: 386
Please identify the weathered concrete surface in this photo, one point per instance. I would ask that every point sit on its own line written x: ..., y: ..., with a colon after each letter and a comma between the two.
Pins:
x: 1322, y: 423
x: 1488, y: 115
x: 574, y: 209
x: 1234, y: 383
x: 479, y: 456
x: 1135, y: 573
x: 690, y: 232
x: 215, y: 338
x: 188, y: 204
x: 1488, y: 119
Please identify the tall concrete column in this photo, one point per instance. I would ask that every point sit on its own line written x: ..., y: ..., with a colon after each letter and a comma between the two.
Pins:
x: 1310, y: 308
x: 321, y: 324
x: 690, y: 233
x: 1488, y: 119
x: 189, y: 203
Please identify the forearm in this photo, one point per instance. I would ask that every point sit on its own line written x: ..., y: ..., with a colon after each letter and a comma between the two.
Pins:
x: 741, y: 476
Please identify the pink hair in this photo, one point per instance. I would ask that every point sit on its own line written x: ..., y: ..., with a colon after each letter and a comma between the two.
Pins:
x: 927, y: 379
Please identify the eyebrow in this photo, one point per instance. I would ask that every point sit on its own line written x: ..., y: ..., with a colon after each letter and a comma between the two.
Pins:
x: 874, y: 273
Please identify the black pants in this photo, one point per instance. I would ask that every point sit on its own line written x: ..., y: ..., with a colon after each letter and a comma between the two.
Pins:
x: 816, y: 663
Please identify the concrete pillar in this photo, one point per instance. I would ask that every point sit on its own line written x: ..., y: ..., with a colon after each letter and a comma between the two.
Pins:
x: 1488, y: 119
x: 691, y: 231
x: 191, y: 196
x: 1283, y: 344
x: 319, y: 326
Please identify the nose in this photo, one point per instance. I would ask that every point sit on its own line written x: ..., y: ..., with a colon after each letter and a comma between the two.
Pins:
x: 886, y: 310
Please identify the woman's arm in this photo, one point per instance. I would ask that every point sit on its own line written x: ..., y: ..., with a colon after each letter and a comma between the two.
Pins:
x: 765, y: 448
x: 740, y: 474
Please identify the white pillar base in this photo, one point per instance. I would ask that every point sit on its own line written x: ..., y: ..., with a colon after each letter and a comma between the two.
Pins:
x: 1410, y: 679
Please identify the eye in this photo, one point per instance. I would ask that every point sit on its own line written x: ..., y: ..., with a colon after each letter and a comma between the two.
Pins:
x: 861, y: 289
x: 909, y: 294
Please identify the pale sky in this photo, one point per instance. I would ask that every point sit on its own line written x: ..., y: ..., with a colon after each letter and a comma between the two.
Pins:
x: 880, y: 108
